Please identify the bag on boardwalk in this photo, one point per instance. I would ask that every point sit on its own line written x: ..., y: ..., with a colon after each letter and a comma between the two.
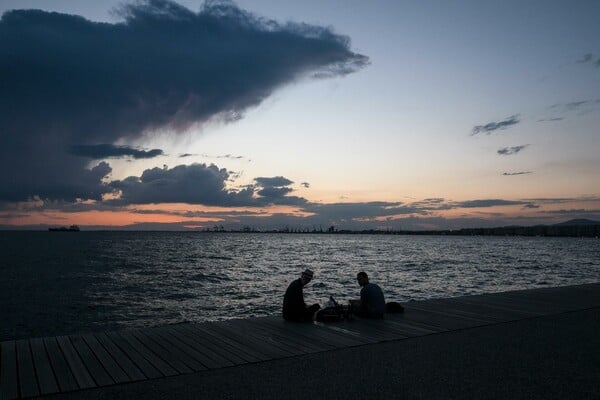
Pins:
x: 393, y: 307
x: 332, y: 312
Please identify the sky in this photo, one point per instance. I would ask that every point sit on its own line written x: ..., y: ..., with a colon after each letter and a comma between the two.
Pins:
x: 271, y: 114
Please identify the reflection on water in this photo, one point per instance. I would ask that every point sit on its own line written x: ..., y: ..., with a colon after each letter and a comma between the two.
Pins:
x: 55, y: 283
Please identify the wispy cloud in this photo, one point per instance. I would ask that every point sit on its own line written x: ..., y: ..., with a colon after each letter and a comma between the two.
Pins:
x: 551, y: 119
x: 494, y: 126
x: 101, y: 151
x: 517, y: 173
x: 506, y: 151
x: 589, y: 59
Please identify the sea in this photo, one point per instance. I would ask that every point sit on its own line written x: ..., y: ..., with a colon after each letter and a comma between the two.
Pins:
x: 57, y: 283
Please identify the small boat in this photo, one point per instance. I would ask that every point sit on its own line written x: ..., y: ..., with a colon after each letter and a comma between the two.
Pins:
x: 72, y: 228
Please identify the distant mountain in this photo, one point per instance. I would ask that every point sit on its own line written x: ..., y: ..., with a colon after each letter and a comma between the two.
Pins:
x: 578, y: 222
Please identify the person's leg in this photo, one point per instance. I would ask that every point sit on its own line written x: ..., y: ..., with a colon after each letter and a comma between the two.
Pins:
x: 310, y: 312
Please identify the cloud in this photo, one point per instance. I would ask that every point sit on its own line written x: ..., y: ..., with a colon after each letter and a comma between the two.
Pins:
x: 494, y: 126
x: 589, y: 59
x: 277, y: 181
x: 67, y: 81
x: 517, y: 173
x: 193, y: 184
x: 550, y: 119
x: 506, y: 151
x: 100, y: 151
x: 586, y: 58
x: 488, y: 203
x: 229, y: 156
x: 305, y: 184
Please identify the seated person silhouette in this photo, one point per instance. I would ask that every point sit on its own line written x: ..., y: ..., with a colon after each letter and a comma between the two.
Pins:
x: 294, y: 308
x: 372, y: 301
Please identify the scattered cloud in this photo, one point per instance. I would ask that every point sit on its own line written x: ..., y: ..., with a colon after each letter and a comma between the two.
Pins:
x: 506, y: 151
x: 488, y: 203
x: 101, y: 151
x: 277, y: 181
x: 184, y: 155
x: 305, y: 184
x: 517, y: 173
x: 551, y: 119
x: 229, y: 156
x: 589, y: 59
x: 494, y: 126
x: 68, y: 82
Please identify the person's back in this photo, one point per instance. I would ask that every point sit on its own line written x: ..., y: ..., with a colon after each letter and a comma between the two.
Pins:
x: 293, y: 300
x: 372, y: 300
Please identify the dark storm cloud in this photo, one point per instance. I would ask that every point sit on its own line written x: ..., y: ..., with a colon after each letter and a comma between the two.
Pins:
x: 67, y: 81
x: 100, y: 151
x: 494, y: 126
x: 516, y: 173
x: 506, y: 151
x: 200, y: 184
x: 193, y: 184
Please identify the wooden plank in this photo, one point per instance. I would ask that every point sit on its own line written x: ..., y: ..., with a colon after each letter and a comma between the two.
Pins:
x: 138, y: 359
x: 127, y: 365
x: 28, y: 385
x: 400, y: 319
x: 80, y: 372
x: 179, y: 349
x: 211, y: 346
x: 239, y: 333
x: 322, y: 342
x: 331, y: 337
x: 205, y: 355
x: 8, y: 370
x: 65, y: 379
x: 407, y: 330
x: 359, y: 327
x: 311, y: 343
x: 96, y: 370
x: 241, y: 350
x: 43, y: 368
x: 445, y: 321
x: 110, y: 366
x: 505, y: 315
x: 507, y: 304
x: 297, y: 344
x: 449, y: 310
x: 154, y: 359
x: 163, y: 353
x: 267, y: 336
x: 219, y: 345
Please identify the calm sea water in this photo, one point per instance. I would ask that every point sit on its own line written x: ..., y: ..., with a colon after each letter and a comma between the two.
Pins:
x: 55, y: 283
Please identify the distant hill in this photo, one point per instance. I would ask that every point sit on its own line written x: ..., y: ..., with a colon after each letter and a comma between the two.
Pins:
x: 578, y: 222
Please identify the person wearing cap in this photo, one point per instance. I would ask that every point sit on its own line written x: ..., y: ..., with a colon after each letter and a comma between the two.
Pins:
x: 372, y: 301
x: 294, y: 307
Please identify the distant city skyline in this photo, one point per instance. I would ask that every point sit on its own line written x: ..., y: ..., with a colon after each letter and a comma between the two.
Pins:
x: 262, y: 113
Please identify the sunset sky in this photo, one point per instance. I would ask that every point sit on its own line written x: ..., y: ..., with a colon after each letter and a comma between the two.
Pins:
x: 270, y: 113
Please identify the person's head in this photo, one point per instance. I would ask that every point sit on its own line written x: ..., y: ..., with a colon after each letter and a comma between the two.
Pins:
x: 306, y: 276
x: 362, y: 278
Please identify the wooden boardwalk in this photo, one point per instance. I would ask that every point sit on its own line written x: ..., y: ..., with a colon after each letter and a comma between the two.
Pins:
x: 41, y: 366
